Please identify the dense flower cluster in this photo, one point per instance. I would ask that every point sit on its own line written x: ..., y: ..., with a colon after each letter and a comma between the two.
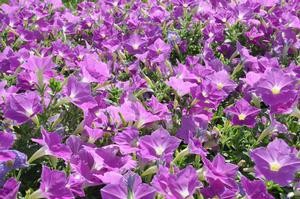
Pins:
x: 124, y: 99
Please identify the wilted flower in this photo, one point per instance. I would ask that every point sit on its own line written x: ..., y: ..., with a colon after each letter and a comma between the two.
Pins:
x: 277, y: 162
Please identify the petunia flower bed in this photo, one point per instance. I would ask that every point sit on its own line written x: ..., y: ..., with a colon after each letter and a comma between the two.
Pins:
x: 147, y: 99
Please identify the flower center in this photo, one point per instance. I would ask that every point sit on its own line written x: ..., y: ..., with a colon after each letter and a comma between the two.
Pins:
x: 242, y: 116
x: 220, y: 85
x: 135, y: 46
x: 159, y: 150
x: 276, y: 90
x: 275, y: 166
x: 185, y: 193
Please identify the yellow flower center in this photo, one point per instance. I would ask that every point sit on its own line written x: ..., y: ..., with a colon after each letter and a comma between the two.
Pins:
x: 159, y: 150
x: 242, y: 116
x: 275, y: 166
x: 220, y: 85
x: 276, y: 90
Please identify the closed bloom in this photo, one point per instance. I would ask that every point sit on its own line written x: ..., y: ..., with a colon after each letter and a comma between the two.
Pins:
x: 22, y: 107
x: 277, y: 162
x: 160, y: 145
x: 243, y: 113
x: 130, y: 186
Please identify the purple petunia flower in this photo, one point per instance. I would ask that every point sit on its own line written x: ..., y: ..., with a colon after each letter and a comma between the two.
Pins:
x: 20, y: 161
x: 217, y: 189
x: 52, y: 145
x: 222, y: 81
x: 181, y: 87
x: 54, y: 184
x: 218, y: 169
x: 79, y: 93
x: 277, y: 90
x: 160, y: 145
x: 10, y: 189
x: 159, y: 51
x: 130, y: 186
x: 243, y: 113
x: 127, y: 140
x: 277, y: 162
x: 255, y: 189
x: 22, y: 107
x: 181, y: 185
x: 6, y: 142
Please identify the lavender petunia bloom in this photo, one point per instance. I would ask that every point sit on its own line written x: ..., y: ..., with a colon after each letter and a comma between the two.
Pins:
x: 127, y: 140
x: 160, y: 145
x: 10, y: 189
x: 41, y: 67
x: 276, y: 86
x: 22, y: 107
x: 79, y: 93
x: 54, y: 184
x: 181, y: 185
x: 218, y: 169
x: 243, y: 113
x: 94, y: 70
x: 6, y: 142
x: 130, y: 186
x: 52, y: 145
x: 20, y: 161
x: 222, y: 81
x: 255, y: 189
x: 159, y: 51
x: 181, y: 87
x: 277, y: 162
x: 217, y: 189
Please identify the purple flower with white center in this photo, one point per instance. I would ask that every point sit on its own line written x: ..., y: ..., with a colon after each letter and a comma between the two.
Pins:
x: 243, y: 113
x: 93, y: 134
x: 218, y: 169
x: 130, y: 186
x: 10, y: 189
x: 159, y: 51
x: 127, y: 140
x: 277, y: 162
x: 181, y: 185
x: 79, y: 93
x: 160, y: 145
x: 217, y: 189
x: 255, y: 189
x: 52, y: 145
x: 222, y: 81
x: 22, y: 107
x: 274, y: 86
x: 135, y: 44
